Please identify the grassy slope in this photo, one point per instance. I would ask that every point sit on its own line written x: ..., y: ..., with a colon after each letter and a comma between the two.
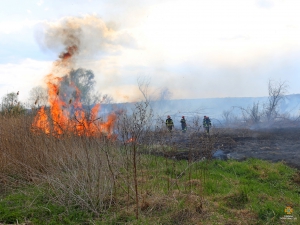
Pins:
x: 221, y: 192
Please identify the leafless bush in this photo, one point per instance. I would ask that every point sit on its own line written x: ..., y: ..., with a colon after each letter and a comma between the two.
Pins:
x: 265, y: 114
x: 132, y: 128
x: 85, y: 176
x: 227, y: 116
x: 78, y: 170
x: 252, y: 115
x: 196, y: 123
x: 277, y: 91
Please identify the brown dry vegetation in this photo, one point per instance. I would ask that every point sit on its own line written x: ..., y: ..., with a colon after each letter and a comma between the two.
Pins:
x: 78, y: 169
x: 95, y: 173
x: 101, y: 174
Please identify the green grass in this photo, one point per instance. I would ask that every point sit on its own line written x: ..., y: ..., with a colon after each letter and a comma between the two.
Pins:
x: 32, y: 204
x: 262, y: 187
x: 176, y: 192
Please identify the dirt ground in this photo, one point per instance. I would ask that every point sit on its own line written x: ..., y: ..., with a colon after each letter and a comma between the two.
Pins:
x: 280, y: 144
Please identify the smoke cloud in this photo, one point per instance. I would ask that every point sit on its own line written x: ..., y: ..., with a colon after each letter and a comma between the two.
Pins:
x: 81, y: 42
x: 83, y: 38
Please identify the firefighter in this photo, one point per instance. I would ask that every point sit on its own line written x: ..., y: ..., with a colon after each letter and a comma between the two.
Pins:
x: 169, y: 123
x: 206, y: 124
x: 183, y: 124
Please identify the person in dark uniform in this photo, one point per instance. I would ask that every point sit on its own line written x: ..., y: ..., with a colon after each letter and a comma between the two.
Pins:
x: 206, y: 124
x: 183, y: 124
x: 169, y: 123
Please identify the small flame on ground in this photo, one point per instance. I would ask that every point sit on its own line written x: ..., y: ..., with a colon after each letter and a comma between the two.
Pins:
x: 130, y: 140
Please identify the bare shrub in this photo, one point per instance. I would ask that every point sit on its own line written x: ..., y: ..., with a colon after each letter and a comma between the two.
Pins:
x: 227, y: 117
x: 267, y: 113
x: 133, y: 128
x: 252, y: 115
x: 277, y: 91
x: 85, y: 176
x: 76, y: 169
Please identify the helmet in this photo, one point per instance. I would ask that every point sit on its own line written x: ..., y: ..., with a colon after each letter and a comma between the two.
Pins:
x: 182, y: 116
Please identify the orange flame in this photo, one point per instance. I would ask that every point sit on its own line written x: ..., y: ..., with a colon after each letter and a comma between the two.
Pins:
x: 41, y: 121
x: 68, y: 116
x: 130, y: 140
x: 61, y: 116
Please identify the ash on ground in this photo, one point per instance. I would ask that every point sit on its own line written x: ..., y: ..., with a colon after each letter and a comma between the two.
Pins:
x: 275, y: 145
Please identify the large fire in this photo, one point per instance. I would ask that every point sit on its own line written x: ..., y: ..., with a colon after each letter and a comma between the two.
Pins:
x: 68, y: 116
x: 61, y: 119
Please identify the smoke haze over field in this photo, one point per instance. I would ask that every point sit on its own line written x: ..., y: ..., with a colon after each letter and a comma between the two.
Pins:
x: 197, y: 49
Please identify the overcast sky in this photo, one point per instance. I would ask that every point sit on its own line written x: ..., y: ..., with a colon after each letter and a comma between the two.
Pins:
x: 196, y: 48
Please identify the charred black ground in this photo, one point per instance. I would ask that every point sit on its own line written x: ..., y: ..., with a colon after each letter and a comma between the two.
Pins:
x: 280, y: 144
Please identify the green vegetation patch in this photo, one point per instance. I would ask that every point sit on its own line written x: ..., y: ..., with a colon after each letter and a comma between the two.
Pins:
x: 259, y: 186
x: 176, y: 192
x: 32, y: 204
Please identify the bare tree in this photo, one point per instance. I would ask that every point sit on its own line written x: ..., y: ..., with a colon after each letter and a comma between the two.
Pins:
x: 84, y: 80
x: 165, y: 94
x: 97, y: 97
x: 254, y: 113
x: 227, y: 116
x: 38, y: 96
x: 277, y: 91
x: 132, y: 127
x: 143, y: 84
x: 85, y: 83
x: 107, y: 99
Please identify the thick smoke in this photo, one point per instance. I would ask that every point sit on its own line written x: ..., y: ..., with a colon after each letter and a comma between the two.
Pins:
x: 75, y: 38
x: 78, y: 42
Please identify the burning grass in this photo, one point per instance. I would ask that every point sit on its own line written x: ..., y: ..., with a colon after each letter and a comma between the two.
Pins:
x: 68, y: 116
x: 76, y: 168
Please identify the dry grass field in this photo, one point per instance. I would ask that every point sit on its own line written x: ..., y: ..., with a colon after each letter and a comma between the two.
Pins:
x: 106, y: 179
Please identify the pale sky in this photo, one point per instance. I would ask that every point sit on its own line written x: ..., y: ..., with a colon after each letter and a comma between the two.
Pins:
x: 196, y: 48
